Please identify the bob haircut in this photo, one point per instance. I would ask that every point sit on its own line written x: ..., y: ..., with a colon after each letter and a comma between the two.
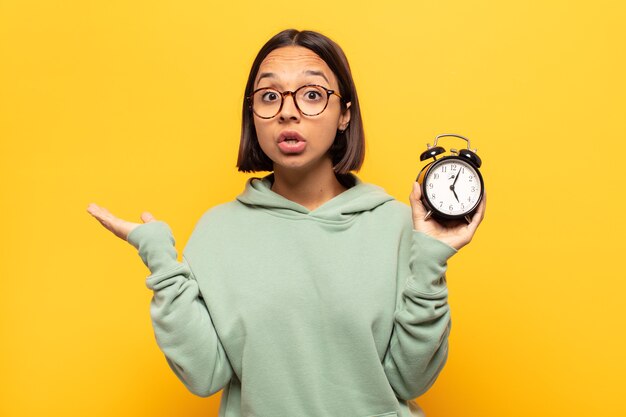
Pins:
x: 348, y: 149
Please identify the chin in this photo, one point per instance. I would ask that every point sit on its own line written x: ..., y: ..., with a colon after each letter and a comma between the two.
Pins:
x: 300, y: 165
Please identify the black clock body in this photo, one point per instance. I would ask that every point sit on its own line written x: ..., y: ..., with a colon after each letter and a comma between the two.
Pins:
x: 462, y: 161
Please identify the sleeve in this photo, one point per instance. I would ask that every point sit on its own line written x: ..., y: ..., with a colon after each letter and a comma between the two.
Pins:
x: 418, y: 348
x: 182, y: 326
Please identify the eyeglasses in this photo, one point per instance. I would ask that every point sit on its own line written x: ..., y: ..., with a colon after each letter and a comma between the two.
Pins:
x: 310, y: 100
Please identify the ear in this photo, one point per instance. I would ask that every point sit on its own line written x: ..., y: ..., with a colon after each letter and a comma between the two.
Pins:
x: 344, y: 118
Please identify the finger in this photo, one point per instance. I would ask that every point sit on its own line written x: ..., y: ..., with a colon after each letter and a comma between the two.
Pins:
x: 416, y: 192
x: 98, y: 211
x: 416, y: 201
x: 146, y: 217
x: 102, y: 214
x: 479, y: 215
x: 482, y: 206
x: 93, y: 209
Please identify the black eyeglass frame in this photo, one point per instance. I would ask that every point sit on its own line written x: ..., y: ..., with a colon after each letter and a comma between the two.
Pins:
x: 283, y: 95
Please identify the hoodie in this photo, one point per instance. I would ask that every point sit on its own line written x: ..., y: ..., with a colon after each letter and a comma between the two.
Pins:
x: 340, y: 311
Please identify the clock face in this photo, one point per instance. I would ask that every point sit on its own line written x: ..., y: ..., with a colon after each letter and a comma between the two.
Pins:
x: 453, y: 187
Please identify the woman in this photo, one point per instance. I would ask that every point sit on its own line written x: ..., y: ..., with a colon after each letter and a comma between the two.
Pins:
x: 313, y: 293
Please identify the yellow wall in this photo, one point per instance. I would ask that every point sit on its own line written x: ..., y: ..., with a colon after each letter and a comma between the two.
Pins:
x: 135, y: 105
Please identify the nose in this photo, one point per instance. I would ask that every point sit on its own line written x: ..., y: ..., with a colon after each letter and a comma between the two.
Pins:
x: 289, y: 109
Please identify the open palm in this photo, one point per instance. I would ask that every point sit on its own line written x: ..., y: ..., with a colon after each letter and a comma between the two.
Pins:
x: 119, y: 227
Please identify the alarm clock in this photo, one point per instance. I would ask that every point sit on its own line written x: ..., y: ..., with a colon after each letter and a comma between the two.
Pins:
x: 452, y: 186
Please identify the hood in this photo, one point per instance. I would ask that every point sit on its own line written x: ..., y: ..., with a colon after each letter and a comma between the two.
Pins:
x: 356, y: 199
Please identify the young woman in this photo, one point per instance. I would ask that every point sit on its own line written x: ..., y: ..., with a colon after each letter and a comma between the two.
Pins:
x: 313, y: 293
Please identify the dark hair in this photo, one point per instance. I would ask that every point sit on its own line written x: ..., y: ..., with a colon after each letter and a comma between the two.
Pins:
x: 348, y: 149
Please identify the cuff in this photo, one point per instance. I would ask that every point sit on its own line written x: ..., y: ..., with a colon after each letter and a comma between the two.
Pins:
x: 155, y: 243
x: 429, y: 258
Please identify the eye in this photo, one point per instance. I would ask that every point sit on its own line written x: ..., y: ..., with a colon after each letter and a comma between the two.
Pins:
x: 269, y: 96
x: 312, y: 94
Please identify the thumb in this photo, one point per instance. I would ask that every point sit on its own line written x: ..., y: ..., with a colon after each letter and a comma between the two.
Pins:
x: 419, y: 211
x: 146, y: 217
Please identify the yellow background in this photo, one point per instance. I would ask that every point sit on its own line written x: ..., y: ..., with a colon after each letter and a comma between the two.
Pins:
x: 135, y: 105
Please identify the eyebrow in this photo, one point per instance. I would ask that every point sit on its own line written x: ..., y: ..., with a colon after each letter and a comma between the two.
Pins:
x: 320, y: 73
x: 307, y: 72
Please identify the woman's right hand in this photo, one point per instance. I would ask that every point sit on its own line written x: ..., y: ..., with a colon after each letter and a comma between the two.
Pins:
x: 120, y: 228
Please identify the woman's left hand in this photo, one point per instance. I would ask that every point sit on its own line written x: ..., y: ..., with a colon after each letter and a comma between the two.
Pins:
x: 456, y: 233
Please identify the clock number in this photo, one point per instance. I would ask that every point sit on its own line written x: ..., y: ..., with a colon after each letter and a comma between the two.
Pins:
x: 473, y: 189
x: 451, y: 207
x: 469, y: 199
x: 440, y: 204
x: 470, y: 178
x: 436, y: 176
x: 462, y: 206
x: 444, y: 168
x: 431, y: 185
x: 432, y: 196
x: 453, y: 167
x: 462, y: 170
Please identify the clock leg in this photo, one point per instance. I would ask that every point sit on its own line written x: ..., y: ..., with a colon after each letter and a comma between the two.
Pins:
x: 427, y: 216
x: 468, y: 219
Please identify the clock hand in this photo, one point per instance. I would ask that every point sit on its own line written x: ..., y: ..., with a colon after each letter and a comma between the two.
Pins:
x: 457, y: 177
x: 452, y: 187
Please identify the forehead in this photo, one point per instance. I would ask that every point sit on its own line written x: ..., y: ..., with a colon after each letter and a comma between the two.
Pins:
x: 293, y: 62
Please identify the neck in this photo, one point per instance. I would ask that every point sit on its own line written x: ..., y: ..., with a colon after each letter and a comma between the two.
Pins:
x: 309, y: 188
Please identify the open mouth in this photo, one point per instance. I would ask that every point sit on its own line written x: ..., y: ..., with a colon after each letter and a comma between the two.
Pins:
x: 290, y: 136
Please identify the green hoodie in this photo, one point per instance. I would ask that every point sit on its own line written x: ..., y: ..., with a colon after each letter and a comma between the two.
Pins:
x: 339, y: 311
